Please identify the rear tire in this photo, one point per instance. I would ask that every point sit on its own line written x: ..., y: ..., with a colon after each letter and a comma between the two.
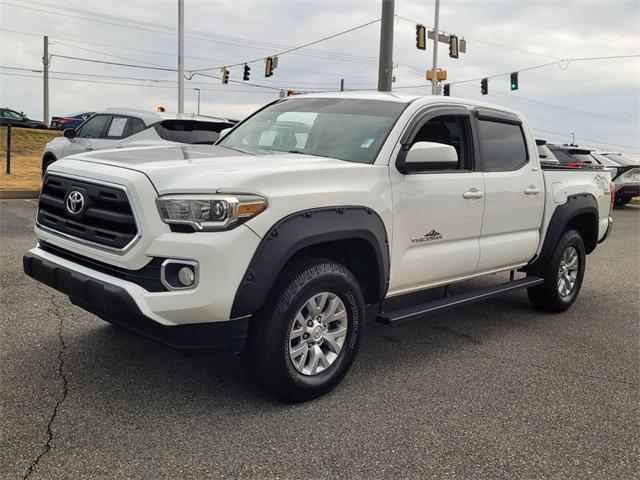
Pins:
x: 562, y: 274
x: 315, y: 314
x: 622, y: 201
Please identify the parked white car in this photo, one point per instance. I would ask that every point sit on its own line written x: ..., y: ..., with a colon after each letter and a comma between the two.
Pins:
x: 122, y: 127
x: 625, y: 175
x: 272, y: 241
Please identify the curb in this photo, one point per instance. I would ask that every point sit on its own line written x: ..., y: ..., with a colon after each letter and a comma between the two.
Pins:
x: 19, y: 193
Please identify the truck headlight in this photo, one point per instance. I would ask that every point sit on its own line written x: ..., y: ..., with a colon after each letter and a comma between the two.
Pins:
x: 205, y: 213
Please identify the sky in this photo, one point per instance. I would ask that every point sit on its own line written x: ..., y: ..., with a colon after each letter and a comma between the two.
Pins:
x: 597, y: 100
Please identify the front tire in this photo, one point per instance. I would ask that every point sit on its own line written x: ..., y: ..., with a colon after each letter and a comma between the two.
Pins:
x: 306, y: 338
x: 562, y: 275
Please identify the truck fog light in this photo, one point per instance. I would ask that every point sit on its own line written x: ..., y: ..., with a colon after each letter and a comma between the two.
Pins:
x: 179, y: 274
x: 186, y: 276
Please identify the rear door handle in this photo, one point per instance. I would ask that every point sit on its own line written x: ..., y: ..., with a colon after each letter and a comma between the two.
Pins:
x: 531, y: 190
x: 472, y: 194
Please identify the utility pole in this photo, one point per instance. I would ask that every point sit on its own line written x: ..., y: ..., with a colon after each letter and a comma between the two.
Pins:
x: 436, y: 40
x: 45, y: 77
x: 342, y: 84
x: 180, y: 56
x: 385, y: 62
x: 198, y: 99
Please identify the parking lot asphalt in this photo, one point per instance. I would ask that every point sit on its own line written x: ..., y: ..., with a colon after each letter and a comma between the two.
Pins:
x: 493, y: 390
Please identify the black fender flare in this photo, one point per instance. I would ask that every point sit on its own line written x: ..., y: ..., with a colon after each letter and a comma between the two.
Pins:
x: 563, y: 215
x: 304, y: 229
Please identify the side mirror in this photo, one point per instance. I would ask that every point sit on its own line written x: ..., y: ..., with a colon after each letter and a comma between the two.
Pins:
x: 69, y: 133
x: 436, y: 156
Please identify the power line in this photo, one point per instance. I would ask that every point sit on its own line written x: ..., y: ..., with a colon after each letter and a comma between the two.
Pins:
x: 130, y: 65
x: 55, y: 40
x: 170, y: 28
x: 204, y: 36
x: 592, y: 140
x: 563, y: 64
x: 544, y: 105
x: 293, y: 49
x: 109, y: 54
x: 129, y: 84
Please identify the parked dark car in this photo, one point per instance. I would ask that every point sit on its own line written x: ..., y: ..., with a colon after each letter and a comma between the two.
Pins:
x: 15, y: 119
x: 572, y: 156
x: 70, y: 121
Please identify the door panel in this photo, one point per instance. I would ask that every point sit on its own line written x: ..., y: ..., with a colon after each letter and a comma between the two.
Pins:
x: 435, y: 229
x: 514, y: 196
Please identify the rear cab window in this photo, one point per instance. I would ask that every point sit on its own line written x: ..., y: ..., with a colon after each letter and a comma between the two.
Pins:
x: 191, y: 131
x: 502, y: 145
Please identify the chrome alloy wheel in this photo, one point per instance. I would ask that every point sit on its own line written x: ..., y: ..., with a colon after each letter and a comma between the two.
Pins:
x: 318, y: 333
x: 568, y: 272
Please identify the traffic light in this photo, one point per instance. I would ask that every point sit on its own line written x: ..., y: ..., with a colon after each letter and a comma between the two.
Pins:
x: 454, y: 51
x: 514, y: 81
x: 421, y: 37
x: 268, y: 68
x: 484, y: 86
x: 447, y: 90
x: 225, y: 75
x: 247, y: 71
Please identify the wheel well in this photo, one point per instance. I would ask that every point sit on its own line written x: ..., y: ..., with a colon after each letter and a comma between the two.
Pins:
x: 357, y: 255
x: 46, y: 157
x: 586, y: 224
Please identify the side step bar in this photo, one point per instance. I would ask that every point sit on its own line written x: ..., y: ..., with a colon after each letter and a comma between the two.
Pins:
x: 402, y: 315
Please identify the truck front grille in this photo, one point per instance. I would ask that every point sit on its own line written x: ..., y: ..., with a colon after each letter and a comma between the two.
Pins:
x: 87, y: 212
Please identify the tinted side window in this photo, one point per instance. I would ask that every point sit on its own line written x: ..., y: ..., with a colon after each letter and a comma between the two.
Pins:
x: 137, y: 125
x: 503, y: 147
x: 94, y: 127
x: 449, y: 130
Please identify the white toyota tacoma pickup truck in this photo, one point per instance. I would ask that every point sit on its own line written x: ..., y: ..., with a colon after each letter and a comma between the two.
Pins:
x: 307, y: 214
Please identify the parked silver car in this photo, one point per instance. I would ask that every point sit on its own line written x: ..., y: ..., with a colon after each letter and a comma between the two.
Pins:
x: 121, y: 127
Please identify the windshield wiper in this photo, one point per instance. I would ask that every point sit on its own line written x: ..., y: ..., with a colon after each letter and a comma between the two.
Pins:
x: 307, y: 153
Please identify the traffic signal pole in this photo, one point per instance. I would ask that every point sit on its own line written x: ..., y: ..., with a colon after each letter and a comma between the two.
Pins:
x: 385, y: 61
x: 180, y: 56
x: 436, y: 40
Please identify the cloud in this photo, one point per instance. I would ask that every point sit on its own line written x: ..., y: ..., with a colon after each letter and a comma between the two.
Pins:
x: 600, y: 100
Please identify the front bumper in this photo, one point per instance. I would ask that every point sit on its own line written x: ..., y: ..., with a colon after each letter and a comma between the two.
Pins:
x: 115, y: 305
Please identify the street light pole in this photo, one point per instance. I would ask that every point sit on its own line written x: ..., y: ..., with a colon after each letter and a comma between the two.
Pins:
x: 436, y: 40
x: 198, y: 99
x: 45, y: 77
x: 180, y: 56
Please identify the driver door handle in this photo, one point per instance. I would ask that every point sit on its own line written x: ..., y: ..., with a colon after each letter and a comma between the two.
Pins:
x: 472, y: 194
x: 531, y: 190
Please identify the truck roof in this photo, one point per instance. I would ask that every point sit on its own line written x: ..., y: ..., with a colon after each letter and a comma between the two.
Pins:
x: 403, y: 98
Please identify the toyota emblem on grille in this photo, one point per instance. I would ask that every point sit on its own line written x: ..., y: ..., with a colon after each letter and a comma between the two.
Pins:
x: 75, y: 202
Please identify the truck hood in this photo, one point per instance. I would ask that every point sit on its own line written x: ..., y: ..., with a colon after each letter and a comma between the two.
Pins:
x: 209, y: 168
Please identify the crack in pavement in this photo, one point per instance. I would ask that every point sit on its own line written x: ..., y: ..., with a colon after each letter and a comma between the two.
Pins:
x: 472, y: 339
x: 466, y: 336
x: 65, y: 385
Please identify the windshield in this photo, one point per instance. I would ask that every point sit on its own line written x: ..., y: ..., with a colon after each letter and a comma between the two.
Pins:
x: 346, y: 129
